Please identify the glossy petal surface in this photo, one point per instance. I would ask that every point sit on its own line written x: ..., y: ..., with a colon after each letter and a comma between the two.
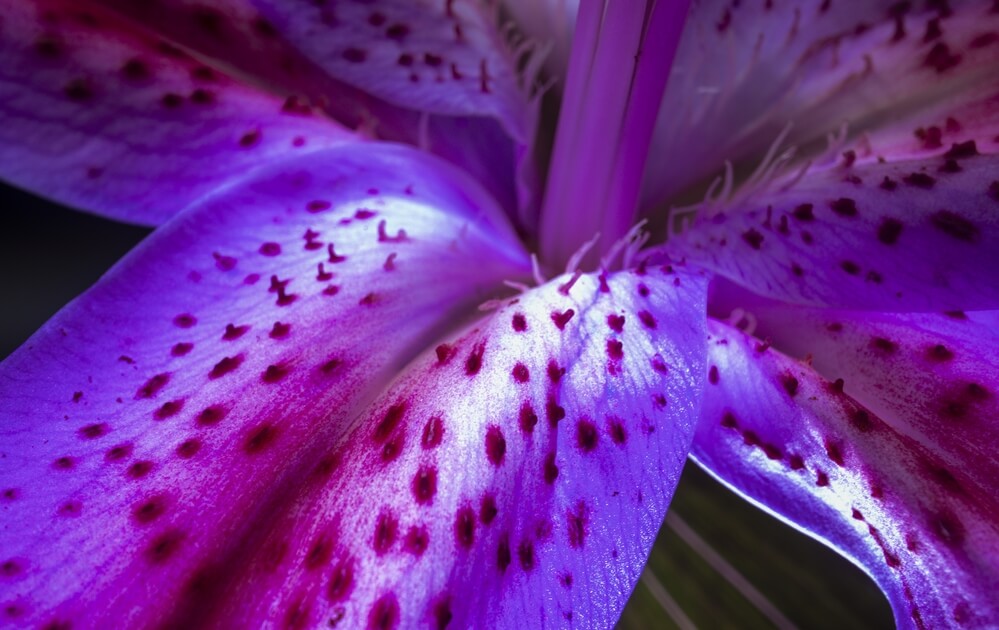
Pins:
x: 746, y: 70
x: 904, y: 219
x: 96, y: 115
x: 169, y: 412
x: 911, y: 511
x: 518, y: 473
x: 434, y: 74
x: 933, y: 377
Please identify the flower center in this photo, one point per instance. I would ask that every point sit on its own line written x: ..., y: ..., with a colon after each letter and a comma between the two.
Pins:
x: 622, y: 52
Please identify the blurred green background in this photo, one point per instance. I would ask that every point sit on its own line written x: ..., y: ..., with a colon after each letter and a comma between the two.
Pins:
x: 715, y: 555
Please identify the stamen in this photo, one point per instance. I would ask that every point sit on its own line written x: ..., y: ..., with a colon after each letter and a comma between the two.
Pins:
x: 622, y: 52
x: 633, y: 234
x: 539, y: 278
x: 577, y: 258
x: 565, y: 288
x: 769, y: 157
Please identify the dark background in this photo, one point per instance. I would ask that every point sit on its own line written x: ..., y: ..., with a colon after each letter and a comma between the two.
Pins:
x: 50, y: 254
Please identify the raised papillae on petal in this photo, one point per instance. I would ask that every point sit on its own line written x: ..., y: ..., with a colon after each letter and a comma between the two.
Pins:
x: 516, y: 473
x: 746, y: 70
x: 168, y: 413
x: 912, y: 510
x: 97, y: 115
x: 907, y: 218
x: 437, y: 74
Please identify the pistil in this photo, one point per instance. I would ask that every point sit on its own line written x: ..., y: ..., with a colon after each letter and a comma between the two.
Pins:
x: 621, y: 56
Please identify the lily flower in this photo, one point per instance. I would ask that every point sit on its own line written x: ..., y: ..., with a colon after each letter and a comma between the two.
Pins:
x: 346, y: 382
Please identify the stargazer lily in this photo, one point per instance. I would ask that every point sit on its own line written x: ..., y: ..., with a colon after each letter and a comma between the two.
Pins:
x: 334, y: 389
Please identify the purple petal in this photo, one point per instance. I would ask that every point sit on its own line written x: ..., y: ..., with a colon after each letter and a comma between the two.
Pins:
x: 435, y: 74
x: 912, y: 511
x: 897, y: 222
x: 96, y: 115
x: 517, y: 474
x: 165, y: 415
x: 933, y: 377
x: 746, y: 70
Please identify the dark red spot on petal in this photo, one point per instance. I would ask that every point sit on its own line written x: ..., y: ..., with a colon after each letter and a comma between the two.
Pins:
x: 417, y: 540
x: 188, y: 448
x: 503, y: 555
x: 919, y: 180
x: 93, y: 431
x: 615, y: 349
x: 474, y: 361
x: 274, y: 373
x: 211, y: 415
x: 861, y: 420
x: 889, y: 231
x: 555, y: 373
x: 139, y: 469
x: 119, y: 452
x: 341, y: 580
x: 844, y: 207
x: 259, y: 439
x: 495, y: 445
x: 424, y: 485
x: 153, y: 385
x: 804, y: 212
x: 550, y: 469
x: 464, y: 527
x: 225, y: 366
x: 519, y: 322
x: 520, y: 373
x: 577, y: 524
x: 562, y: 318
x: 384, y: 614
x: 616, y: 322
x: 790, y: 384
x: 488, y: 509
x: 164, y: 546
x: 955, y: 225
x: 433, y: 433
x: 753, y: 238
x: 393, y: 415
x: 525, y: 553
x: 553, y: 411
x: 586, y: 435
x: 528, y: 418
x: 616, y: 430
x: 169, y: 409
x: 150, y: 509
x: 386, y: 531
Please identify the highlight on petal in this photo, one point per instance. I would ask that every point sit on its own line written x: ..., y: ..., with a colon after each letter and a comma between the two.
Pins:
x: 930, y: 376
x: 906, y: 218
x: 518, y: 473
x: 96, y: 115
x: 911, y: 511
x: 747, y: 70
x: 153, y: 426
x: 435, y: 74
